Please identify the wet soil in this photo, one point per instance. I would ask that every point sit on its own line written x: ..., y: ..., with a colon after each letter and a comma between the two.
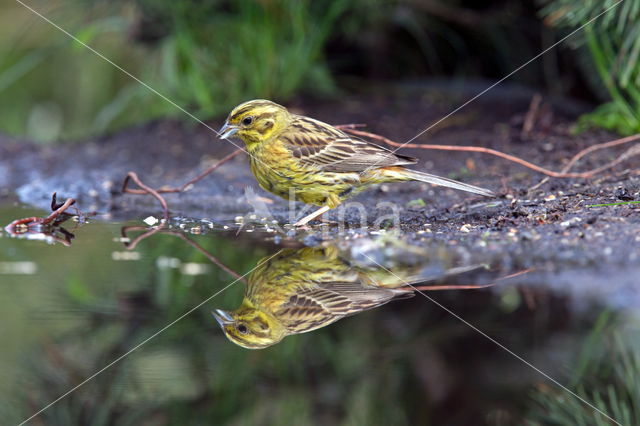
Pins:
x: 553, y: 224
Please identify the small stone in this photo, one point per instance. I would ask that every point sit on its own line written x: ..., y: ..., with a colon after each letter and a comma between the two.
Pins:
x: 151, y: 220
x: 623, y: 194
x: 107, y: 185
x: 465, y: 228
x: 572, y: 221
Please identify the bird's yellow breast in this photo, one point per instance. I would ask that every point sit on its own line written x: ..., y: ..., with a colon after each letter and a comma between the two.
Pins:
x: 278, y: 172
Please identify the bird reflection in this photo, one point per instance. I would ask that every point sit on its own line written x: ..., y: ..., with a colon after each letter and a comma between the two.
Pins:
x: 301, y: 290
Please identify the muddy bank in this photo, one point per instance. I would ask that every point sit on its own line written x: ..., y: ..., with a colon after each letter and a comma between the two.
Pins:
x: 556, y: 222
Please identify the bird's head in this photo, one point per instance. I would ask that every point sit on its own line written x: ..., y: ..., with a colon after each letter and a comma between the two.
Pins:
x: 255, y: 121
x: 250, y: 328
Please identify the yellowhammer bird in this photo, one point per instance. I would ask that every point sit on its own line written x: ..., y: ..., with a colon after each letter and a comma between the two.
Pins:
x: 300, y: 290
x: 296, y: 156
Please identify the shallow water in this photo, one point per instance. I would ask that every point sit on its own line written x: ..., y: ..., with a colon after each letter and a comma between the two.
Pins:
x: 73, y: 306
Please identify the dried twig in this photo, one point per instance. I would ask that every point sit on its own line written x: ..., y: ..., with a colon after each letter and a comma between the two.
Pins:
x: 58, y: 209
x: 146, y: 190
x: 156, y: 192
x: 591, y: 149
x: 352, y: 129
x: 531, y: 116
x: 597, y: 147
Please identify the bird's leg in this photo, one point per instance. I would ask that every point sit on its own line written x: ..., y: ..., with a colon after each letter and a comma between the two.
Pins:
x: 326, y: 221
x: 312, y: 216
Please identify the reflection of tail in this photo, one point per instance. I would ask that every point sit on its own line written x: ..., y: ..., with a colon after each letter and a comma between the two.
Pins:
x: 469, y: 286
x: 406, y: 174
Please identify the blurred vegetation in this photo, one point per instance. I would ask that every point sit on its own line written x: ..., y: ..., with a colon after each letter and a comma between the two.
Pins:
x: 613, y: 44
x: 204, y: 55
x: 607, y: 374
x: 209, y: 55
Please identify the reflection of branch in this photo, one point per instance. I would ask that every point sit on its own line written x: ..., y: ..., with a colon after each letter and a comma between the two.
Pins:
x: 28, y: 222
x: 470, y: 286
x: 50, y: 226
x: 208, y: 255
x: 68, y: 236
x: 352, y: 129
x: 133, y: 243
x: 156, y: 192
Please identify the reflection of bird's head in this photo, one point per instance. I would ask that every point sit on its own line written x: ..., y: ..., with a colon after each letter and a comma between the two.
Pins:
x: 255, y: 121
x: 249, y: 327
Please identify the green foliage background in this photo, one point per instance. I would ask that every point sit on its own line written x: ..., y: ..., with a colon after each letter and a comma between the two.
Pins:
x: 209, y: 55
x: 206, y: 56
x: 613, y: 44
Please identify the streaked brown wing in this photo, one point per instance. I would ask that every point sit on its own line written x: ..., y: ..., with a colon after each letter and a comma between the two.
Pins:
x: 318, y: 144
x: 319, y: 305
x: 305, y: 312
x: 360, y: 297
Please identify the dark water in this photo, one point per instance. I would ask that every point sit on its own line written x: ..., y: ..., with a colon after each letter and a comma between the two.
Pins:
x: 332, y: 350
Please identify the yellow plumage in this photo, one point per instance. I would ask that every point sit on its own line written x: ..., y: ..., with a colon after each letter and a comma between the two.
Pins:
x: 301, y: 290
x: 297, y: 156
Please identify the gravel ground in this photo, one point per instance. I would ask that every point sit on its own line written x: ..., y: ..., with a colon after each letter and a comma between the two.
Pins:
x: 555, y: 224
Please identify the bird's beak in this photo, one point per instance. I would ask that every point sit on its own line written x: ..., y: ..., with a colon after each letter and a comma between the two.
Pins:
x: 227, y: 131
x: 222, y: 317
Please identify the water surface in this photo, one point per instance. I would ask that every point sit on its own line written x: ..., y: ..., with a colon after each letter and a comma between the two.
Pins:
x: 361, y: 351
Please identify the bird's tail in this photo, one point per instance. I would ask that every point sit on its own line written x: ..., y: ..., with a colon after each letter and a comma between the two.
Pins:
x: 407, y: 174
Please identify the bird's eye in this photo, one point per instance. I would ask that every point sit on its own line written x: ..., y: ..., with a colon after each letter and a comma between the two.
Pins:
x: 247, y: 120
x: 243, y: 329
